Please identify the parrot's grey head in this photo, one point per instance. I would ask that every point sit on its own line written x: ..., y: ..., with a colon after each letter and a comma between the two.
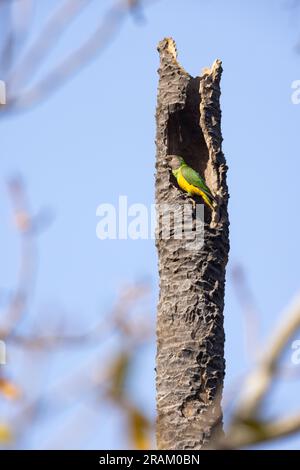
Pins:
x: 175, y: 161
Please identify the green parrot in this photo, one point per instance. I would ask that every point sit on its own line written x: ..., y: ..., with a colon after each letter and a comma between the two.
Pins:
x: 190, y: 181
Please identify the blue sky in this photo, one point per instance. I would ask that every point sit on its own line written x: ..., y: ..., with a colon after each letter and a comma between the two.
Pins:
x: 94, y: 140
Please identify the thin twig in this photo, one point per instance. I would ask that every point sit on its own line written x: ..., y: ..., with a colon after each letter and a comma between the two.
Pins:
x: 80, y: 57
x: 55, y: 26
x: 247, y: 426
x: 260, y: 380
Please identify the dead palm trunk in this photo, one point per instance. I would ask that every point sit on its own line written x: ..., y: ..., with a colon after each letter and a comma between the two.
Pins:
x: 190, y: 335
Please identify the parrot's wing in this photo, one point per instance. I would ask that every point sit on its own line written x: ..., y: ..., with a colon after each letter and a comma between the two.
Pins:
x: 192, y: 177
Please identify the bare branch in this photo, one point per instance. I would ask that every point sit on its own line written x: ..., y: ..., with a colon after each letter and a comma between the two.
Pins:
x: 28, y: 263
x: 247, y: 426
x: 47, y: 39
x: 247, y: 434
x: 260, y: 380
x: 249, y: 309
x: 93, y: 46
x: 18, y: 19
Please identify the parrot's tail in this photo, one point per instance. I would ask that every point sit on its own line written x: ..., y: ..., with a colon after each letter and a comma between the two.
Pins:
x: 208, y: 200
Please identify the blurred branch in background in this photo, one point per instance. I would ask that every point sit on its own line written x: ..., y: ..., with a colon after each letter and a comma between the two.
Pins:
x: 248, y: 307
x: 16, y: 20
x: 245, y: 399
x: 252, y: 315
x: 247, y: 423
x: 128, y: 324
x: 294, y: 7
x: 25, y: 400
x: 105, y: 381
x: 21, y: 72
x: 24, y: 70
x: 28, y: 227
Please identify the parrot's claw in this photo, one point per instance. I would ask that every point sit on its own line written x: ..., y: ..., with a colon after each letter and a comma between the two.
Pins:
x: 188, y: 198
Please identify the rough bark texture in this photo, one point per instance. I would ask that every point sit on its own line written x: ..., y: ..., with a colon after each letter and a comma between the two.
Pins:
x: 190, y: 334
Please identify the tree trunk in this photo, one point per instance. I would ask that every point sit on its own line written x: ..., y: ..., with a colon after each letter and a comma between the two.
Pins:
x: 190, y: 334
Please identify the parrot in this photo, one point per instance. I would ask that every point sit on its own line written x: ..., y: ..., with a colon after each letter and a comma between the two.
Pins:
x: 190, y: 181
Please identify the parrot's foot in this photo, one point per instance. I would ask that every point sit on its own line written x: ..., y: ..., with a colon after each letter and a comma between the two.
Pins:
x: 188, y: 198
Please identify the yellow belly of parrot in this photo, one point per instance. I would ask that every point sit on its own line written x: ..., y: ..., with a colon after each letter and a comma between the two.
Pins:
x: 189, y: 188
